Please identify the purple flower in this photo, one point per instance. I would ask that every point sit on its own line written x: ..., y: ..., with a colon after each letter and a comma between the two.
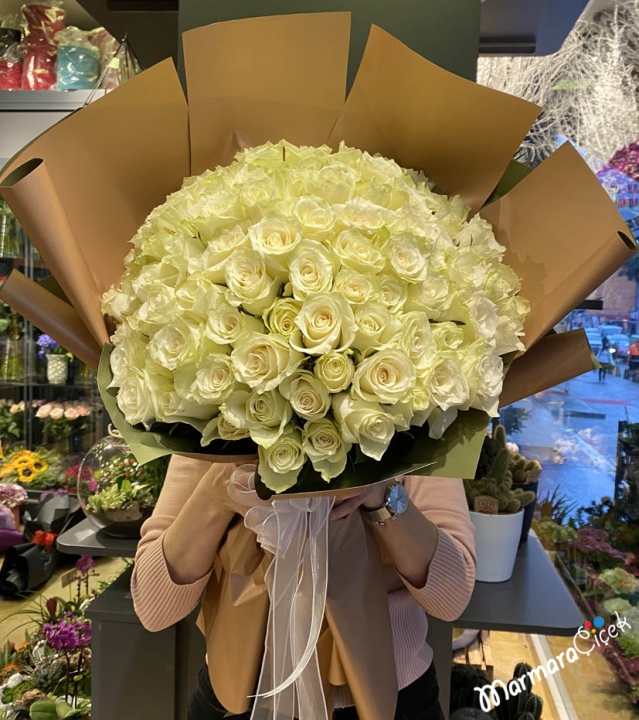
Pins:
x: 84, y: 564
x: 12, y: 495
x: 92, y: 485
x: 46, y: 344
x: 68, y: 634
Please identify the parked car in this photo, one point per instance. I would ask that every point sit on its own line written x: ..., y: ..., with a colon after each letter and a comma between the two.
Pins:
x: 608, y: 330
x: 594, y: 338
x: 621, y: 343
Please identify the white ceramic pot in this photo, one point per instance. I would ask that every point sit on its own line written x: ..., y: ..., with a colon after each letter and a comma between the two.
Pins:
x: 57, y: 369
x: 497, y: 540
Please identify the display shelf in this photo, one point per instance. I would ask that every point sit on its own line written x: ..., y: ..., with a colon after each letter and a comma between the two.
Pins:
x: 20, y: 383
x: 46, y: 100
x: 86, y: 538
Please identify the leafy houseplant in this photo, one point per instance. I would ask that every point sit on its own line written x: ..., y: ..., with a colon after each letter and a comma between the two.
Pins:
x: 116, y: 490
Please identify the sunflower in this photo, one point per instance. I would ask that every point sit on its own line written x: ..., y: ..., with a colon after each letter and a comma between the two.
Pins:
x: 23, y: 460
x: 26, y: 475
x: 39, y: 465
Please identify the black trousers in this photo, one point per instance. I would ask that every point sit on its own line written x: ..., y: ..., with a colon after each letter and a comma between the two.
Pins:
x: 418, y: 701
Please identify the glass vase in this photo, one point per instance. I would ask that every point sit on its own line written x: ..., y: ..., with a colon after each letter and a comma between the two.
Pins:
x: 12, y: 365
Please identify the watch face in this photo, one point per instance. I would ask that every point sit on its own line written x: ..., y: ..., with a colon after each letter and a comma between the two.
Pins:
x: 397, y: 499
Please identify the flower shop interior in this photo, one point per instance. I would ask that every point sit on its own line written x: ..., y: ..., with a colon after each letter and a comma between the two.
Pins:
x: 564, y: 460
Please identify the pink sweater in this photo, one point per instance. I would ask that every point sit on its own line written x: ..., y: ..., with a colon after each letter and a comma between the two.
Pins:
x: 160, y: 602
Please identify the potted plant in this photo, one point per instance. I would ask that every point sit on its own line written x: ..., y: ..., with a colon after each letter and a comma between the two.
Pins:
x: 13, y: 497
x: 57, y: 359
x: 116, y: 491
x: 64, y: 423
x: 496, y: 511
x: 523, y: 706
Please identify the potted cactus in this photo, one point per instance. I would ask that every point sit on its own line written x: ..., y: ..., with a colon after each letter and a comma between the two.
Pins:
x: 524, y: 706
x: 496, y: 510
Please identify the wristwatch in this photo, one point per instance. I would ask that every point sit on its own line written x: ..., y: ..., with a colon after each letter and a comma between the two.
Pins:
x: 396, y: 504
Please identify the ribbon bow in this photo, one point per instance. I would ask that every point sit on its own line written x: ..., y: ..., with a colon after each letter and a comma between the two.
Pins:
x: 295, y: 531
x: 45, y: 539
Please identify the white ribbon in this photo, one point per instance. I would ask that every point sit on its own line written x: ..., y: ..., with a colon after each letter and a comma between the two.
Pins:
x: 295, y: 531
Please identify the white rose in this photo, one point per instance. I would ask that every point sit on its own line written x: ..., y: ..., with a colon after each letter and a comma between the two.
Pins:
x: 209, y: 382
x: 365, y: 215
x: 256, y: 188
x: 135, y: 400
x: 158, y: 308
x: 406, y: 257
x: 357, y: 252
x: 275, y: 235
x: 175, y: 344
x: 219, y: 428
x: 226, y: 324
x: 416, y: 338
x: 376, y: 167
x: 394, y: 292
x: 128, y: 355
x: 325, y: 448
x: 263, y: 361
x: 192, y: 296
x: 355, y: 287
x: 368, y: 424
x: 264, y: 415
x: 324, y: 323
x: 510, y: 327
x: 467, y: 269
x: 384, y: 377
x: 248, y: 278
x: 115, y: 303
x: 335, y: 183
x: 446, y: 383
x: 478, y: 234
x: 170, y: 407
x: 376, y: 326
x: 448, y: 335
x: 280, y: 464
x: 57, y: 413
x: 219, y: 249
x: 484, y: 370
x: 501, y: 283
x: 308, y: 396
x: 315, y: 215
x: 280, y: 317
x: 311, y: 269
x: 435, y: 296
x: 335, y: 370
x: 171, y: 272
x: 482, y: 315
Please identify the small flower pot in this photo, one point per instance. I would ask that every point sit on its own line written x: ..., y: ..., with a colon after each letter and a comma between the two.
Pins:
x: 57, y: 369
x: 529, y: 510
x: 497, y: 539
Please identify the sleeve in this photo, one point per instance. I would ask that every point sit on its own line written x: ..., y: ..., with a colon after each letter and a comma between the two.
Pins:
x: 451, y: 573
x: 159, y: 602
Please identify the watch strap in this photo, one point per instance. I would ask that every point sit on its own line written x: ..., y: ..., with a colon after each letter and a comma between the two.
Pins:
x: 378, y: 515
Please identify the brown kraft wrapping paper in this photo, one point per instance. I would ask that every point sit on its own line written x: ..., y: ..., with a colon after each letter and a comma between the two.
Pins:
x: 111, y: 163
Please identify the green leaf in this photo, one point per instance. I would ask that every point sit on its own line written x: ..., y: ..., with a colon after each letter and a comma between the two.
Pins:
x: 43, y: 710
x: 126, y: 486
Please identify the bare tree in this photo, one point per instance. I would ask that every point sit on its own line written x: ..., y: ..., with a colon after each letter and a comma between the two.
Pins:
x: 588, y: 89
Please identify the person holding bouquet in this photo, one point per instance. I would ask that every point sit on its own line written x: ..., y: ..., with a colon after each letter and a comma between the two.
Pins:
x: 423, y: 524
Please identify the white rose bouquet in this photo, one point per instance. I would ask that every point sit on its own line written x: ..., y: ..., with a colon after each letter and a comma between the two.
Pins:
x: 316, y: 302
x: 310, y: 301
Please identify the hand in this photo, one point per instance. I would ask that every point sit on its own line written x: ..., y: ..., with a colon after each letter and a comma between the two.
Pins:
x: 370, y: 497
